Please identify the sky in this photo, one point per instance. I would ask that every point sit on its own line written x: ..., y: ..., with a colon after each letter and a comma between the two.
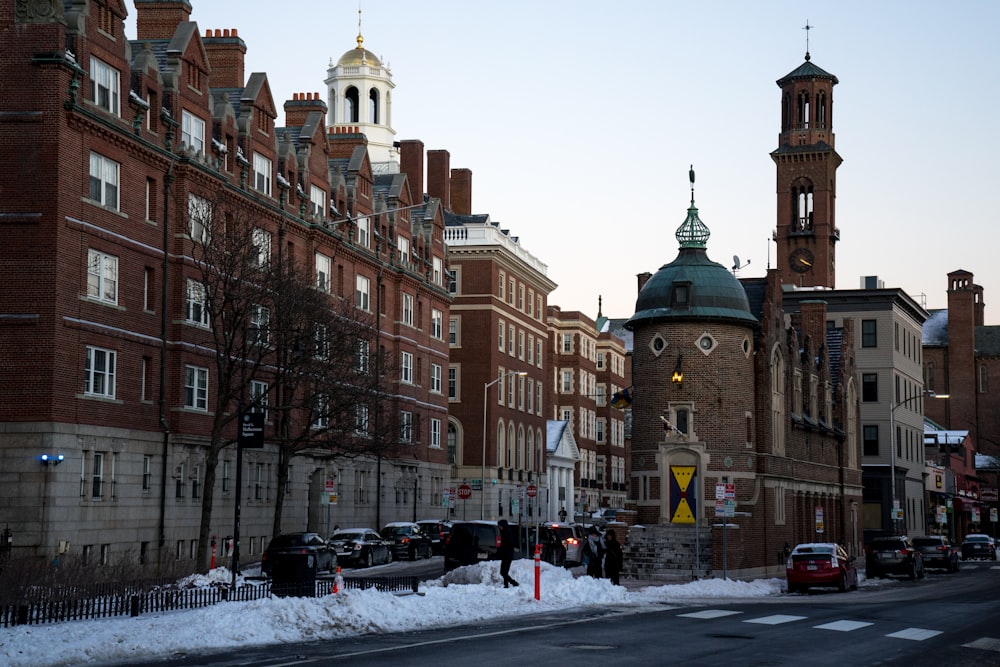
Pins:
x: 579, y: 120
x: 467, y: 595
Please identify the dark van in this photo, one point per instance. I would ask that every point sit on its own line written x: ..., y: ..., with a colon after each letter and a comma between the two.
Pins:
x: 471, y: 542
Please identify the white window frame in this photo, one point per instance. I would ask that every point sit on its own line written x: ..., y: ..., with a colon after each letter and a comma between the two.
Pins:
x: 405, y: 426
x: 437, y: 271
x: 102, y: 276
x: 262, y: 177
x: 199, y: 218
x: 406, y: 368
x: 99, y: 372
x: 436, y: 378
x: 437, y: 323
x: 403, y: 246
x: 192, y: 131
x: 105, y: 182
x: 407, y: 314
x: 435, y: 442
x: 321, y: 408
x: 106, y: 84
x: 197, y: 303
x: 361, y: 419
x: 323, y: 278
x: 317, y: 201
x: 261, y: 240
x: 362, y: 293
x: 196, y: 388
x: 260, y: 324
x: 363, y: 232
x: 259, y: 395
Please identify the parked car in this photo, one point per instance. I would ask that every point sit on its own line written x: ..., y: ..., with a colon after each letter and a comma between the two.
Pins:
x: 299, y: 543
x: 938, y: 551
x: 820, y: 564
x: 437, y: 530
x: 977, y: 545
x: 604, y: 516
x: 360, y: 547
x: 471, y: 542
x: 406, y: 540
x: 562, y: 543
x: 894, y: 555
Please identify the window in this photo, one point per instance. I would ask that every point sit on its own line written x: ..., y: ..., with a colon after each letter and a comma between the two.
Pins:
x: 531, y: 349
x: 99, y: 372
x: 97, y: 477
x: 407, y: 314
x: 260, y: 318
x: 567, y: 343
x: 317, y: 201
x: 361, y: 419
x: 435, y: 433
x: 503, y: 286
x: 259, y: 396
x: 106, y: 87
x: 520, y: 345
x: 104, y: 181
x: 869, y: 387
x: 406, y: 368
x: 197, y: 312
x: 321, y: 411
x: 567, y: 382
x: 195, y: 483
x: 102, y: 276
x: 501, y: 335
x: 437, y: 271
x: 405, y: 426
x: 869, y: 337
x: 362, y: 353
x: 600, y: 426
x: 323, y: 272
x: 196, y: 388
x: 453, y: 331
x: 510, y: 340
x: 148, y: 275
x: 437, y: 323
x: 870, y: 438
x: 453, y: 281
x: 199, y: 218
x: 321, y: 341
x: 452, y: 383
x: 436, y: 378
x: 261, y: 174
x: 192, y: 131
x: 362, y: 293
x: 147, y: 473
x: 364, y: 233
x: 403, y: 247
x: 261, y: 240
x: 225, y: 477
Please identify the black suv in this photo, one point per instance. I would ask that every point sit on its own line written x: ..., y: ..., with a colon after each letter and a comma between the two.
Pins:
x: 471, y: 542
x: 894, y: 555
x: 938, y: 551
x: 436, y: 530
x: 295, y: 544
x: 407, y: 540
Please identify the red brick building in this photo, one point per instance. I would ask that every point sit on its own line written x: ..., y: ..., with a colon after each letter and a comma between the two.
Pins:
x: 109, y: 151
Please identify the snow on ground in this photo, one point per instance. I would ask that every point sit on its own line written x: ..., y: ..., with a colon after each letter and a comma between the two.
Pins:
x: 466, y: 595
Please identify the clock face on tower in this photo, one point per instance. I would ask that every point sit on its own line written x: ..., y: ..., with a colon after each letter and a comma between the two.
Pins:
x: 801, y: 260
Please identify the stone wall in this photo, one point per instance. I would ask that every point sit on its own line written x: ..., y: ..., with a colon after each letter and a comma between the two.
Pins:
x: 667, y: 553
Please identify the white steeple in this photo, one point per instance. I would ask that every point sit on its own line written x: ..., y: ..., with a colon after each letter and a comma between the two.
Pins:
x: 359, y: 99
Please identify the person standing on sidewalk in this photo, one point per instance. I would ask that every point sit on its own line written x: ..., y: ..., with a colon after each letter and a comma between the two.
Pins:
x: 506, y: 553
x: 594, y: 549
x: 614, y: 558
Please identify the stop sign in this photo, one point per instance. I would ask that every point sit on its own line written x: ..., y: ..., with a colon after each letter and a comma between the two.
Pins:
x: 464, y: 492
x: 532, y: 491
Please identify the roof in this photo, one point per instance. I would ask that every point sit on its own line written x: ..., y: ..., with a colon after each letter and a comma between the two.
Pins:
x: 935, y: 331
x: 807, y: 70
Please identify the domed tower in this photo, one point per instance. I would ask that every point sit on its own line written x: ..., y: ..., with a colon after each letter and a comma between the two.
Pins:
x: 359, y: 98
x: 693, y: 381
x: 806, y: 164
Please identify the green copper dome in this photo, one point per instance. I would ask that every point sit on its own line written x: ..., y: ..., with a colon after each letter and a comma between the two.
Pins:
x: 692, y: 287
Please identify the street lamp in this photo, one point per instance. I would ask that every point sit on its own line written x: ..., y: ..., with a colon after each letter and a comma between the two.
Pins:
x: 892, y: 447
x: 482, y: 477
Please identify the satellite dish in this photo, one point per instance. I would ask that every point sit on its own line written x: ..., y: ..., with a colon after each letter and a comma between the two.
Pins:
x: 736, y: 262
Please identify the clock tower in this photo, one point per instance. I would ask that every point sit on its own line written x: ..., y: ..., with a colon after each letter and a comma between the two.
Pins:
x: 806, y: 162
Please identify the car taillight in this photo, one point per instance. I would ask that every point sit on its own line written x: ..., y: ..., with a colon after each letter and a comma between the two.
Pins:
x: 942, y: 548
x: 498, y: 540
x: 904, y: 552
x: 571, y: 540
x: 405, y: 540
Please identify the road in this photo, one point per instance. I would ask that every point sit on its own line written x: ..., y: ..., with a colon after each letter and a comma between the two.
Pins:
x: 945, y: 620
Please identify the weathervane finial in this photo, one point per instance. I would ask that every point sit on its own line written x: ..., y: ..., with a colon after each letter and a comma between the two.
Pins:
x: 807, y: 28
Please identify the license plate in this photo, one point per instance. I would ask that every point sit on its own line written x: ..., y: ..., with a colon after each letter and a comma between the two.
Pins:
x: 812, y: 567
x: 482, y: 555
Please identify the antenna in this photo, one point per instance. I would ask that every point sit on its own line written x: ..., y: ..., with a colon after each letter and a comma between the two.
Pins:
x: 737, y: 265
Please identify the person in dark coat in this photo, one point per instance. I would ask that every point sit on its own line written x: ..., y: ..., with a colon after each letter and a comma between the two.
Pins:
x: 506, y: 553
x: 614, y: 558
x: 594, y: 548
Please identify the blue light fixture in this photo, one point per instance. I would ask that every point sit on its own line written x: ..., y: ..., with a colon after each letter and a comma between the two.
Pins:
x: 48, y: 459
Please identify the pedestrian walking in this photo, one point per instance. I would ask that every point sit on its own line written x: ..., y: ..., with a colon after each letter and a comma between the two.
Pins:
x: 614, y: 558
x: 562, y: 515
x: 506, y: 553
x: 594, y: 549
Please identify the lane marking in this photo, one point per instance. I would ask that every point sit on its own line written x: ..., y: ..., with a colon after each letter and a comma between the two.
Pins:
x: 710, y: 613
x: 842, y: 626
x: 915, y: 634
x: 985, y: 643
x: 776, y: 619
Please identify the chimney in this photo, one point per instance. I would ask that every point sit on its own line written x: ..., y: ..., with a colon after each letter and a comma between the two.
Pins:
x: 814, y: 321
x: 158, y: 19
x: 461, y: 191
x: 225, y: 50
x: 439, y: 176
x: 411, y: 163
x: 300, y: 106
x: 643, y: 279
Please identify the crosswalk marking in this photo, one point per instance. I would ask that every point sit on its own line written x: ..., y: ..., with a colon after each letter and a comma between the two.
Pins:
x: 775, y: 619
x: 710, y: 613
x: 842, y: 626
x: 916, y: 634
x: 985, y: 643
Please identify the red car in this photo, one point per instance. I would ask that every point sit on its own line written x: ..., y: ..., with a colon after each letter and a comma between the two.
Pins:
x: 820, y: 564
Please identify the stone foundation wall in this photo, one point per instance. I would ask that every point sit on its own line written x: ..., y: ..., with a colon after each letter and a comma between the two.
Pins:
x: 667, y: 553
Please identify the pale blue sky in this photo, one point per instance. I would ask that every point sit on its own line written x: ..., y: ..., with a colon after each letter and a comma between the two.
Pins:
x: 579, y: 120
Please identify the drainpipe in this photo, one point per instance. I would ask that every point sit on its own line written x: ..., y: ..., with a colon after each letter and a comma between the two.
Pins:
x: 168, y: 180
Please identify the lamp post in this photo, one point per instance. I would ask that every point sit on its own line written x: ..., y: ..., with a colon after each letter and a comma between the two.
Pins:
x: 892, y: 447
x: 482, y: 476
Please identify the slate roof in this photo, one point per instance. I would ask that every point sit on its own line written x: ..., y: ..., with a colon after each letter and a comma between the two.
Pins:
x: 807, y: 70
x: 935, y: 331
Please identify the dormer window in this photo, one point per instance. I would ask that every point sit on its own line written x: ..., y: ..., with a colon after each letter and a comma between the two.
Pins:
x: 681, y: 296
x: 106, y: 85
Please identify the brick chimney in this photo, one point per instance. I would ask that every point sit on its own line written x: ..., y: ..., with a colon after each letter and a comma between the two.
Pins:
x: 225, y: 51
x: 300, y: 106
x: 439, y: 176
x: 461, y: 191
x: 158, y: 19
x: 643, y: 278
x: 813, y: 314
x: 411, y: 163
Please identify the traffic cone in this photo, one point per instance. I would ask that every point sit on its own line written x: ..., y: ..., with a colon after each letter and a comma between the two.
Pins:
x: 338, y: 582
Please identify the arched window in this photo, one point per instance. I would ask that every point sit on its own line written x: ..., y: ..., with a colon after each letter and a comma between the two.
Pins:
x: 802, y: 109
x: 511, y: 443
x: 778, y: 402
x: 501, y: 449
x: 530, y: 456
x: 521, y: 465
x: 351, y: 105
x: 452, y: 444
x: 373, y: 106
x: 821, y: 110
x: 802, y: 205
